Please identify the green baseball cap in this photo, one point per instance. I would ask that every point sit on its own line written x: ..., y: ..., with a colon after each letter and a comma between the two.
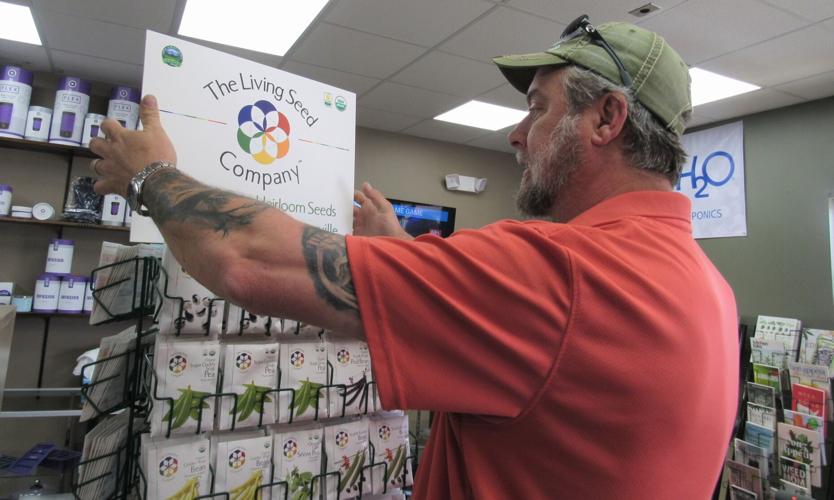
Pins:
x: 660, y: 78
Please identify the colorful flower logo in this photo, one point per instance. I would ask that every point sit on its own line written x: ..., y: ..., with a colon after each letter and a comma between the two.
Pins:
x: 342, y: 439
x: 237, y: 458
x: 177, y: 364
x: 297, y: 359
x: 243, y: 361
x: 290, y: 448
x: 168, y: 466
x: 384, y: 433
x: 343, y: 356
x: 264, y: 132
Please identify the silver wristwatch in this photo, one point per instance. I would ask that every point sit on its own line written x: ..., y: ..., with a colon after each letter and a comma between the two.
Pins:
x: 134, y: 188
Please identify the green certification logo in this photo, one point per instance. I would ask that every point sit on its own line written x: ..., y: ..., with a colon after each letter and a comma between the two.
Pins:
x: 328, y: 99
x: 172, y: 56
x: 341, y: 104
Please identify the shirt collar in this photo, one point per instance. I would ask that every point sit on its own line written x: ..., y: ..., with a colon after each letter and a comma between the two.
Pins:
x: 653, y: 204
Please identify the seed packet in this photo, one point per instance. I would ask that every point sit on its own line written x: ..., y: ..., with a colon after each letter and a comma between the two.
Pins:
x: 346, y: 445
x: 389, y: 437
x: 250, y: 370
x: 391, y: 495
x: 351, y: 362
x: 188, y: 307
x: 303, y: 365
x: 186, y: 372
x: 176, y: 468
x: 239, y: 321
x: 297, y: 457
x: 103, y: 450
x: 242, y: 464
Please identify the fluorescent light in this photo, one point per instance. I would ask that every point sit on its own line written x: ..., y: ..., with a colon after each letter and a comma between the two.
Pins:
x: 261, y: 25
x: 17, y: 24
x: 482, y: 115
x: 708, y: 86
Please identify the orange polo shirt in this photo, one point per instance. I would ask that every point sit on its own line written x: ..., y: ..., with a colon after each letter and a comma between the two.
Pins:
x: 596, y: 359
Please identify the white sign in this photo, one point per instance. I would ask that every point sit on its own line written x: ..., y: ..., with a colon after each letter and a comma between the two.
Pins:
x: 258, y: 131
x: 713, y: 178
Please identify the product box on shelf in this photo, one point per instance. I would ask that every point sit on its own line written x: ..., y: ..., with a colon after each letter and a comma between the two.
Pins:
x: 176, y: 468
x: 47, y: 289
x: 124, y: 106
x: 250, y: 370
x: 6, y: 291
x: 303, y: 365
x: 71, y: 296
x: 346, y: 445
x: 38, y: 121
x: 15, y: 92
x: 92, y: 128
x: 242, y: 463
x: 113, y: 210
x: 59, y: 256
x: 6, y: 192
x: 72, y: 99
x: 297, y: 456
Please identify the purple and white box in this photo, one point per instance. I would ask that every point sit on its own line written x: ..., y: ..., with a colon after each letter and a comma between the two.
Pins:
x: 124, y: 106
x: 47, y: 288
x: 92, y: 128
x: 15, y: 92
x: 71, y: 297
x: 5, y: 199
x: 37, y: 124
x: 59, y: 257
x: 72, y: 101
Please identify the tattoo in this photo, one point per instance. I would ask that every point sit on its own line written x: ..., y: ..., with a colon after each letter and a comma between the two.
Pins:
x: 171, y: 195
x: 327, y: 263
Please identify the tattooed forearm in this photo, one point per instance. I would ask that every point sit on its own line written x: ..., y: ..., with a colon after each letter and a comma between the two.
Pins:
x: 327, y: 263
x: 171, y: 195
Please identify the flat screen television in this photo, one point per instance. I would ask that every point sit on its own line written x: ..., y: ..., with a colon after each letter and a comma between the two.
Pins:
x: 422, y: 218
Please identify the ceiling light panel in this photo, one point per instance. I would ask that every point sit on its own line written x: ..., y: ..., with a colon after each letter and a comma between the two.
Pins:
x: 708, y: 86
x: 482, y: 115
x: 17, y: 24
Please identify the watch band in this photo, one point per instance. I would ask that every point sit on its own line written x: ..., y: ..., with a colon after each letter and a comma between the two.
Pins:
x: 135, y: 188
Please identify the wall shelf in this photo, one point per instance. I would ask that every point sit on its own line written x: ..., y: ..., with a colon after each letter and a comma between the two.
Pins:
x: 46, y: 147
x: 63, y: 223
x: 55, y: 315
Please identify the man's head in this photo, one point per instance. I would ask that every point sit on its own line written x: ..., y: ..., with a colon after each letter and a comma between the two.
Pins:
x: 629, y: 76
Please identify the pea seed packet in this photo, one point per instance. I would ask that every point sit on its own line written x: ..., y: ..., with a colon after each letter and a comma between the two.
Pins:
x: 188, y: 306
x: 176, y: 468
x: 186, y: 372
x: 297, y: 459
x: 303, y: 365
x: 239, y: 321
x: 250, y: 370
x: 346, y: 445
x: 389, y: 437
x: 242, y: 464
x: 351, y: 362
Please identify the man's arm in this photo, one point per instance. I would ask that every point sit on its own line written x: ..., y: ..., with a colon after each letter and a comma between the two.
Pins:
x: 245, y: 251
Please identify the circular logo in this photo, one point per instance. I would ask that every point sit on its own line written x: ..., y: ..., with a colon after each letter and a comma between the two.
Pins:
x: 264, y: 132
x: 297, y: 359
x: 341, y: 103
x: 12, y: 72
x: 384, y: 433
x: 237, y: 458
x: 342, y: 439
x: 72, y: 84
x: 122, y: 93
x: 243, y: 361
x: 343, y: 356
x: 168, y: 466
x: 172, y: 56
x: 177, y: 364
x: 290, y: 448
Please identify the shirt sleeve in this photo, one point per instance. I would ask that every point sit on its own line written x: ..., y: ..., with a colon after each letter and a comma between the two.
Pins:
x: 469, y: 324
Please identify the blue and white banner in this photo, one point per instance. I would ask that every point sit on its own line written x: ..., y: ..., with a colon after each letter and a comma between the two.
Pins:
x: 713, y: 178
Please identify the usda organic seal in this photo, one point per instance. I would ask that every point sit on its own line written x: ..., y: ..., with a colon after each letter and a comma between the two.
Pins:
x: 172, y: 56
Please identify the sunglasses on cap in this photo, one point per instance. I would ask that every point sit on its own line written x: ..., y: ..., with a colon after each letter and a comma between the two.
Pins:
x: 582, y: 26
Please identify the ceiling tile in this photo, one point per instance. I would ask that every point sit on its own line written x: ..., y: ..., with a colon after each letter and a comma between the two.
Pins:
x: 92, y: 38
x: 97, y: 69
x: 829, y: 25
x: 699, y: 117
x: 462, y: 77
x: 505, y: 95
x: 600, y: 12
x: 31, y: 57
x: 353, y: 51
x: 746, y: 104
x: 496, y: 141
x: 425, y: 23
x: 812, y: 10
x: 348, y: 81
x: 700, y: 29
x: 797, y: 55
x: 384, y: 120
x: 814, y: 87
x: 444, y: 131
x: 504, y: 31
x: 148, y: 14
x: 409, y: 100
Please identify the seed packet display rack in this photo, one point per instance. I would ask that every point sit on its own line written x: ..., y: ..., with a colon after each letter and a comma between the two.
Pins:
x: 140, y: 390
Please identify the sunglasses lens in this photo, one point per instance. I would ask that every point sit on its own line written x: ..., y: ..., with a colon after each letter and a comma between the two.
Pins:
x: 575, y: 25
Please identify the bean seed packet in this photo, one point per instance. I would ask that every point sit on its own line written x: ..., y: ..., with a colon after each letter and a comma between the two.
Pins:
x: 303, y: 365
x: 351, y: 362
x: 239, y: 321
x: 389, y: 437
x: 186, y: 372
x: 176, y: 468
x: 242, y: 463
x: 297, y: 459
x: 346, y: 445
x: 188, y: 307
x: 250, y: 370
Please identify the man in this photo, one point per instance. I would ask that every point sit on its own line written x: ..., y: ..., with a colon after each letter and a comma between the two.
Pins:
x: 590, y: 357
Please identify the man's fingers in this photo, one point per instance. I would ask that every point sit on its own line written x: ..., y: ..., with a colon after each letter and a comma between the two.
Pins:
x: 100, y: 147
x: 358, y: 197
x: 93, y: 166
x: 149, y: 113
x: 112, y: 129
x: 374, y: 195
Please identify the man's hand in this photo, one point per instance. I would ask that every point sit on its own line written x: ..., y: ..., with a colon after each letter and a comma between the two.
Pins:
x: 126, y: 152
x: 376, y: 216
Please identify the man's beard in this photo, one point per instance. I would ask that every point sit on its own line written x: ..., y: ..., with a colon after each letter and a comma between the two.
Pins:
x: 549, y: 169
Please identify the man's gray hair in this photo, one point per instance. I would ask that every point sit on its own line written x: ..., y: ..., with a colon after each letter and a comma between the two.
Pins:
x: 648, y: 144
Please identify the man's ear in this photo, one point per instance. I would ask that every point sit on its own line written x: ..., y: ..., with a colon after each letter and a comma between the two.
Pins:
x: 610, y: 115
